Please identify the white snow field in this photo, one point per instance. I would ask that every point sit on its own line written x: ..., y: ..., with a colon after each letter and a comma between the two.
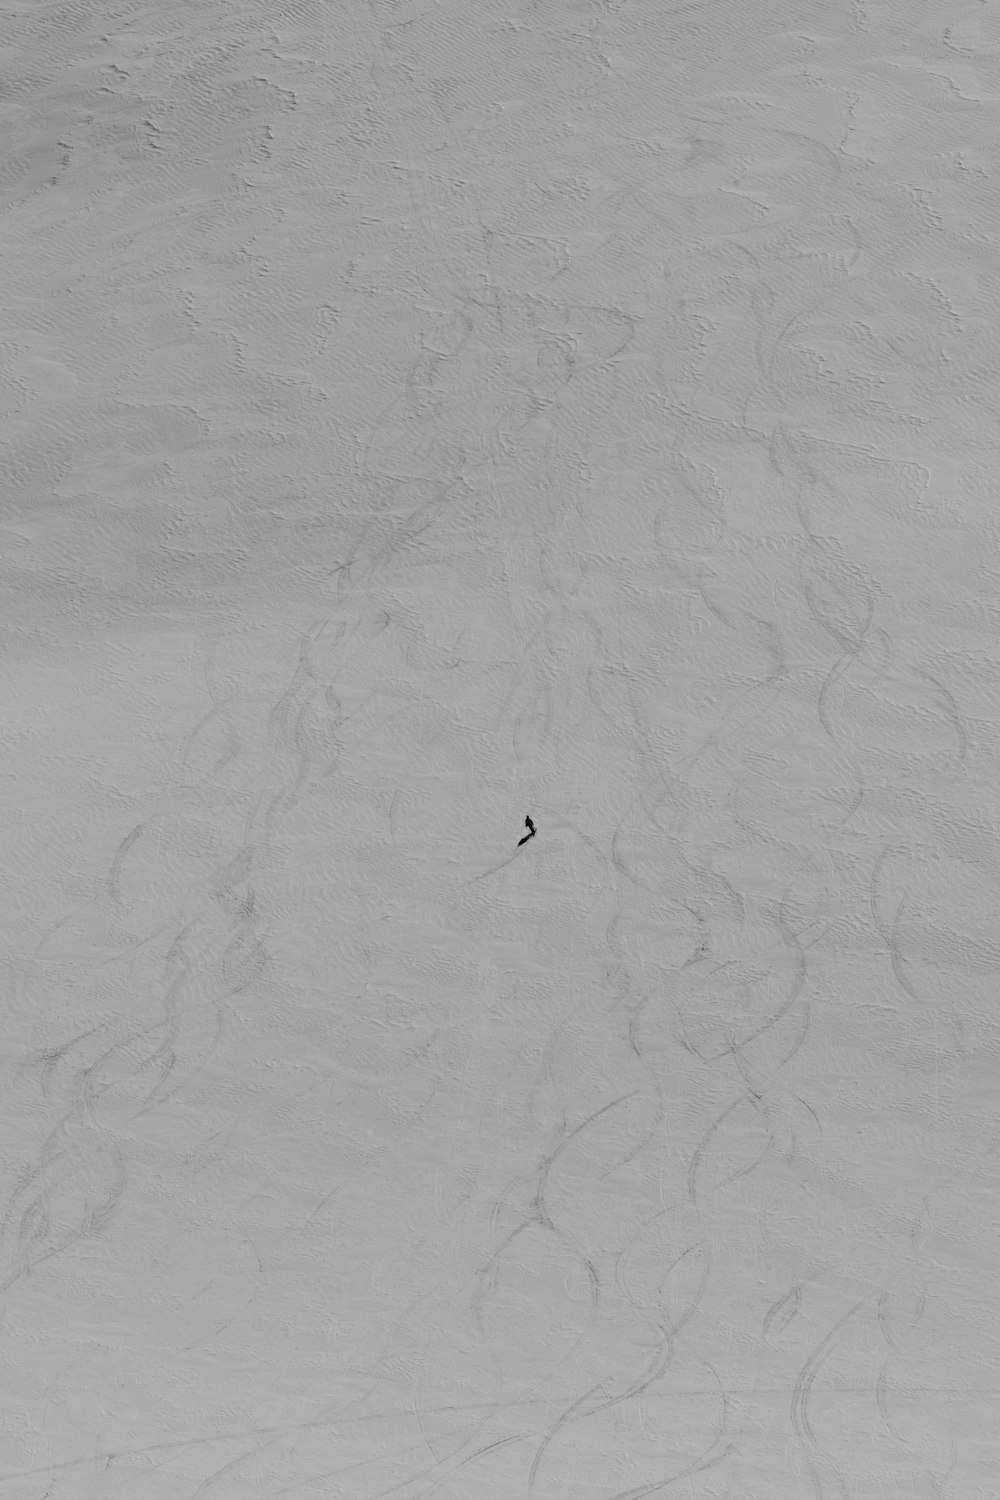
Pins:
x: 419, y: 418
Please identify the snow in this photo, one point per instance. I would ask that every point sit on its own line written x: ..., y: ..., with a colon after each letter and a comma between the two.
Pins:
x: 419, y: 419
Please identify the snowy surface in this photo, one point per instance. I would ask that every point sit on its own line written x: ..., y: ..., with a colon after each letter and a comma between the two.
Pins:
x: 418, y: 418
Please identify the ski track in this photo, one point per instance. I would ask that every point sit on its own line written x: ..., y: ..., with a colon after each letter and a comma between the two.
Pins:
x: 498, y: 642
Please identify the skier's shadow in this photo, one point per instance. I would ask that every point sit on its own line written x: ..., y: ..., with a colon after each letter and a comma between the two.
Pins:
x: 505, y: 862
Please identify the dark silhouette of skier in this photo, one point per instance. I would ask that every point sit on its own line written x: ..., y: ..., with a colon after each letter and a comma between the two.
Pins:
x: 505, y: 862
